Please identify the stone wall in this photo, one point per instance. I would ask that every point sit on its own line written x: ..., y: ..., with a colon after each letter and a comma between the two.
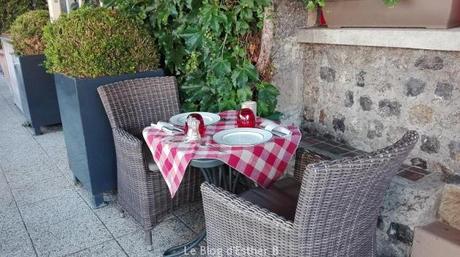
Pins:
x: 378, y: 93
x: 287, y: 58
x: 369, y: 96
x: 407, y: 204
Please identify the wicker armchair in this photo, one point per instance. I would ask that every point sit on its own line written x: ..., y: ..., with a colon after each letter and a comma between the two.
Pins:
x: 334, y: 213
x: 132, y: 105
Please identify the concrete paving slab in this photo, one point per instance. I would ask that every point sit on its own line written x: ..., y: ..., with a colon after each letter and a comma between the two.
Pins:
x: 106, y: 249
x: 194, y: 220
x: 188, y: 208
x: 24, y: 178
x: 6, y: 198
x: 20, y: 161
x: 14, y: 239
x: 67, y: 205
x: 133, y: 245
x: 115, y: 223
x: 174, y: 232
x: 69, y: 236
x: 169, y: 233
x: 41, y: 190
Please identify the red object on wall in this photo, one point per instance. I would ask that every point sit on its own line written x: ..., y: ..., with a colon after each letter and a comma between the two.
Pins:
x: 322, y: 20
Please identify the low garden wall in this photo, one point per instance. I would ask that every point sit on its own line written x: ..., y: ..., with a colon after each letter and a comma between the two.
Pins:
x: 367, y: 97
x: 370, y: 96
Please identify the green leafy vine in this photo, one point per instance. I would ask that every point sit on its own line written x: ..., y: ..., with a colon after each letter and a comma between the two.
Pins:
x: 203, y: 43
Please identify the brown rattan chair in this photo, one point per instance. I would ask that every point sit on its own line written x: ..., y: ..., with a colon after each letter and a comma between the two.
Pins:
x: 131, y: 106
x: 332, y: 212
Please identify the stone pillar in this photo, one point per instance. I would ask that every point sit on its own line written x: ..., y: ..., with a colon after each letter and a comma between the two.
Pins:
x: 408, y: 204
x: 287, y: 58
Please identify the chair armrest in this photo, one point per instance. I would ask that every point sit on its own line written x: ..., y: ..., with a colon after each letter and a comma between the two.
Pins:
x: 304, y: 158
x: 128, y: 149
x: 126, y: 139
x: 231, y: 219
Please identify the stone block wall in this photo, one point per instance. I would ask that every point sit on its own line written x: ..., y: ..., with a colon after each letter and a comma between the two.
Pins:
x: 407, y: 204
x: 287, y: 58
x: 369, y: 96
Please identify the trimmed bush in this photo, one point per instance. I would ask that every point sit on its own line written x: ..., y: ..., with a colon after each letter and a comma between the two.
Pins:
x: 26, y: 32
x: 11, y: 9
x: 93, y: 42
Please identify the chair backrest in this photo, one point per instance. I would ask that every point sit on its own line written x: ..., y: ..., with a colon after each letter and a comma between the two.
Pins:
x: 134, y: 104
x: 340, y: 200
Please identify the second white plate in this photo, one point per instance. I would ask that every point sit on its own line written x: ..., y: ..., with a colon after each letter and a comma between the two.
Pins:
x: 242, y: 136
x: 209, y: 118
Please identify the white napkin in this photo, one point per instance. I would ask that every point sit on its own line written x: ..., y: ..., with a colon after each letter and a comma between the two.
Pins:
x: 275, y: 128
x: 167, y: 127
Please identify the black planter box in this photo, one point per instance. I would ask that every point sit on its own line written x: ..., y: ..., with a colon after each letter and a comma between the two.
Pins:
x: 38, y: 92
x: 87, y: 132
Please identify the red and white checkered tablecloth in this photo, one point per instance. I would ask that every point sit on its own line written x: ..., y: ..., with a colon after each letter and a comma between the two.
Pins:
x: 262, y: 163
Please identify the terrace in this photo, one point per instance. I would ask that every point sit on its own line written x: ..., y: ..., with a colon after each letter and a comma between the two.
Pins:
x: 94, y: 162
x: 44, y: 214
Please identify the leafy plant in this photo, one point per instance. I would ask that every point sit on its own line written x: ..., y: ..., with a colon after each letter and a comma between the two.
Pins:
x: 391, y: 2
x: 93, y: 42
x: 312, y: 4
x: 203, y: 43
x: 27, y: 30
x: 11, y: 9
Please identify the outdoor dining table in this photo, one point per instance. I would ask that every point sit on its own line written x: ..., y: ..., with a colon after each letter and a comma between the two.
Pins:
x: 262, y: 163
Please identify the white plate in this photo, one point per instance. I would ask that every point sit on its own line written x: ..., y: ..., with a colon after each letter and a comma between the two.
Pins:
x: 208, y: 118
x: 242, y: 136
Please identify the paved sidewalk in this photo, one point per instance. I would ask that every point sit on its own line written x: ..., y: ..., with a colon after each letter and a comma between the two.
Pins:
x: 43, y: 214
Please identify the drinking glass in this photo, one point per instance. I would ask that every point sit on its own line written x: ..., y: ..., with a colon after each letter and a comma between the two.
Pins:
x: 201, y: 128
x: 246, y: 118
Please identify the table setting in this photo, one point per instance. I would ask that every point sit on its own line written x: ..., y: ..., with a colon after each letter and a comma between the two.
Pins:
x: 258, y: 148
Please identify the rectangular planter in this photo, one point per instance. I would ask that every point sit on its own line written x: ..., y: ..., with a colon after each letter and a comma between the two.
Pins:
x: 407, y: 13
x: 87, y: 132
x: 37, y: 92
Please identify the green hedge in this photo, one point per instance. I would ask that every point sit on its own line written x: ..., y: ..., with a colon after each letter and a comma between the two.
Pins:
x: 27, y: 30
x: 93, y: 42
x: 11, y: 9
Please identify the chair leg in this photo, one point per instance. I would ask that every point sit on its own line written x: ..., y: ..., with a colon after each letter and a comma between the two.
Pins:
x: 148, y: 239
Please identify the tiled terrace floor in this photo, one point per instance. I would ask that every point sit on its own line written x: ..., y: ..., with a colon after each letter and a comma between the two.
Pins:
x: 43, y: 214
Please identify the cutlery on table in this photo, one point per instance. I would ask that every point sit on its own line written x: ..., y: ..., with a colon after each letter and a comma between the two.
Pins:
x: 167, y: 127
x: 275, y: 128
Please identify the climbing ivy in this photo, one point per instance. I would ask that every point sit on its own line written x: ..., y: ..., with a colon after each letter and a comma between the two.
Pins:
x: 204, y: 43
